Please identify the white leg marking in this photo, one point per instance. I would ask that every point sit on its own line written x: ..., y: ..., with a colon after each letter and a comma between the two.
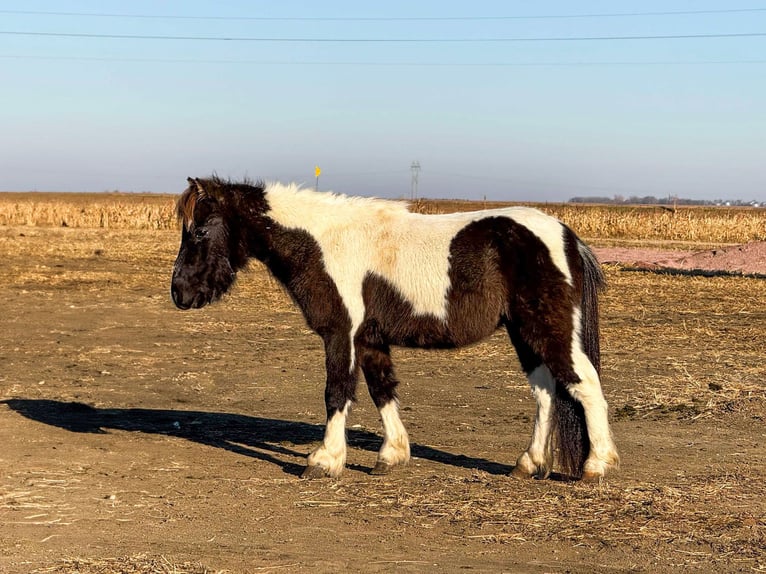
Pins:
x: 603, y: 453
x: 331, y: 455
x: 396, y: 443
x: 538, y: 458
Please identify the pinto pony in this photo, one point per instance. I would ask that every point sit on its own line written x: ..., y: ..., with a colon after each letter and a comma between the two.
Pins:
x: 368, y: 274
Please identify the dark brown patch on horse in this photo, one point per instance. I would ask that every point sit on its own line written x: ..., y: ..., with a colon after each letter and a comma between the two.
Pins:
x: 295, y: 259
x: 374, y: 357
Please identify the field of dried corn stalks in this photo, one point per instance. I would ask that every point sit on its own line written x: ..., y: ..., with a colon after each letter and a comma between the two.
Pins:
x: 717, y: 225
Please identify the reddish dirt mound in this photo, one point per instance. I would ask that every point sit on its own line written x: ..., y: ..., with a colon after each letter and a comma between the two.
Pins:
x: 749, y: 258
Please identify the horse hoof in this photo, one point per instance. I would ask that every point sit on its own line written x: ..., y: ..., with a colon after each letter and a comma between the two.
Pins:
x: 590, y: 476
x: 313, y: 471
x: 381, y: 468
x: 520, y: 473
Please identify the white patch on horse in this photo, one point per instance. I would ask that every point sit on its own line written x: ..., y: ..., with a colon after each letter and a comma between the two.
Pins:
x: 396, y: 443
x: 603, y: 453
x: 358, y: 236
x: 331, y: 455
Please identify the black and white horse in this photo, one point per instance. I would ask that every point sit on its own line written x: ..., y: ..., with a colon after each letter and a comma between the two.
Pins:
x: 368, y: 273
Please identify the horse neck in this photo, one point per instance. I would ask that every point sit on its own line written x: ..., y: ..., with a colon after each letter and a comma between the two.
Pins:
x: 320, y: 212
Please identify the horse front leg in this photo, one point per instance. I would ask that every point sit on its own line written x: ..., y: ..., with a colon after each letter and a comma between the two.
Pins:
x: 395, y: 450
x: 375, y: 360
x: 329, y: 459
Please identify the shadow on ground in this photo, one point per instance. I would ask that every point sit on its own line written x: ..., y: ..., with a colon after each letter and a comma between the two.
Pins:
x: 650, y: 268
x: 262, y: 438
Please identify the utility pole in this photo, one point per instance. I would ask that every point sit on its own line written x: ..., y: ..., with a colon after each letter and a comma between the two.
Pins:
x: 415, y: 168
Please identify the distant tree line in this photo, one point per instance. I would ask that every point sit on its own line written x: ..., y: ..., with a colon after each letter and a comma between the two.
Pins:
x: 669, y: 200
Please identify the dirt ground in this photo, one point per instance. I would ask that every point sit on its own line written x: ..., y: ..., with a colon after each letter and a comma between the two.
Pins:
x: 746, y: 259
x: 139, y: 438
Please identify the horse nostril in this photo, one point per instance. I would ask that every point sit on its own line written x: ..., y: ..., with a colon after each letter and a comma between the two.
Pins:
x: 176, y: 295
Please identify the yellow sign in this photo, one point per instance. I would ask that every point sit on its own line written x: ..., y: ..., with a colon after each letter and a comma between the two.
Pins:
x: 317, y: 171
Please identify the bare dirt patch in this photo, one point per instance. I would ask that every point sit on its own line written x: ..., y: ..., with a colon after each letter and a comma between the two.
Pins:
x: 139, y: 438
x: 746, y: 259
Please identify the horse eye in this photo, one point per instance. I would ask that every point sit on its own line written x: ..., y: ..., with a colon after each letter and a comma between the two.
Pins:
x: 200, y: 233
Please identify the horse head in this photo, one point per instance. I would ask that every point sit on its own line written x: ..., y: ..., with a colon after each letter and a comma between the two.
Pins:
x: 210, y: 252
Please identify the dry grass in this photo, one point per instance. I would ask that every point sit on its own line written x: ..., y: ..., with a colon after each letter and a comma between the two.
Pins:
x: 699, y: 355
x: 88, y: 210
x: 148, y: 211
x: 698, y: 224
x: 706, y: 519
x: 138, y: 564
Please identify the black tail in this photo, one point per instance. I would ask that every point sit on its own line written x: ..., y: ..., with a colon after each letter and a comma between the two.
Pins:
x: 568, y: 414
x: 570, y: 432
x: 593, y: 283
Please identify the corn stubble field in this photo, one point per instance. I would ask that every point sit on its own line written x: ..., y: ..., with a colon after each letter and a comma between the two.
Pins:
x: 706, y: 225
x: 145, y: 440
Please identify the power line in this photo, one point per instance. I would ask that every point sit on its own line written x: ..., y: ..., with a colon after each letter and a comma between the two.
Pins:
x: 381, y: 40
x: 387, y: 18
x: 424, y: 64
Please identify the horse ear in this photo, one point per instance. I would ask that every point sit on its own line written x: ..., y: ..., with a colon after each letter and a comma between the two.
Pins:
x: 196, y: 185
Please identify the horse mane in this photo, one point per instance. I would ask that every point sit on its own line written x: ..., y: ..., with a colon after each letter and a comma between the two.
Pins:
x: 213, y: 187
x: 291, y: 201
x: 186, y: 203
x: 304, y: 208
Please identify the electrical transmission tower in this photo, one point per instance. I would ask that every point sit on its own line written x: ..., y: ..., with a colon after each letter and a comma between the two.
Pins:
x: 415, y: 168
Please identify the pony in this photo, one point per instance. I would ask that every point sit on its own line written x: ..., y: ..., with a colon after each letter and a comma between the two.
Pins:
x: 369, y: 274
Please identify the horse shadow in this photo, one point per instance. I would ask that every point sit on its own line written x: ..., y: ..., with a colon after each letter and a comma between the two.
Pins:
x: 265, y: 439
x: 696, y: 272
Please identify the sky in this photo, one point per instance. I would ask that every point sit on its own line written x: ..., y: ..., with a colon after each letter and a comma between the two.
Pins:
x: 503, y: 100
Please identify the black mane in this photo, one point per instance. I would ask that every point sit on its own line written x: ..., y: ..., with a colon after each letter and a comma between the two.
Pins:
x: 226, y: 193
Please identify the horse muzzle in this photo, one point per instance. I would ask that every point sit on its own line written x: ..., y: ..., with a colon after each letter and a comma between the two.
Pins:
x: 185, y: 302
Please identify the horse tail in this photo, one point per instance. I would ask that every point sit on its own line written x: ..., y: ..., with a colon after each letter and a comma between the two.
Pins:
x: 593, y: 283
x: 568, y: 413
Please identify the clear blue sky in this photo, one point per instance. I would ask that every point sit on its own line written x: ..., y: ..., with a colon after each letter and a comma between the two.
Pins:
x: 540, y: 119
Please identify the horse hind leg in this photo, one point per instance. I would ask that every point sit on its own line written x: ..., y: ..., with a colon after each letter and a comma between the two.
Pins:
x: 602, y: 455
x: 577, y: 377
x: 375, y: 361
x: 537, y: 460
x: 580, y: 380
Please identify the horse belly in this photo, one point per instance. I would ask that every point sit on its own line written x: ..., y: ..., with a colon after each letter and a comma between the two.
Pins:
x: 471, y: 317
